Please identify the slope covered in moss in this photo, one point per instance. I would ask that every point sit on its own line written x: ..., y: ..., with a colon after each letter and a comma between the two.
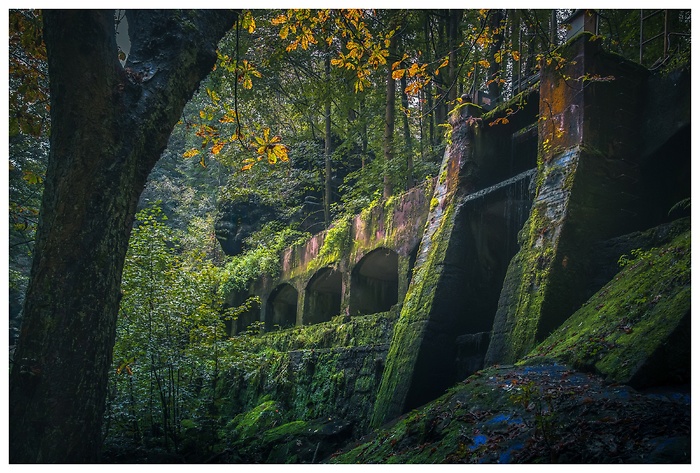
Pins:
x: 636, y: 329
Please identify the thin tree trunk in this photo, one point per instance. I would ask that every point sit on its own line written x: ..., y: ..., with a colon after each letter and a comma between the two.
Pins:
x: 327, y: 147
x: 389, y: 118
x: 407, y: 138
x: 365, y: 140
x: 495, y: 67
x: 109, y: 126
x: 454, y: 20
x: 428, y: 90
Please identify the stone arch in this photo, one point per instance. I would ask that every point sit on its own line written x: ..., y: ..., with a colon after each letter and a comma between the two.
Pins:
x: 245, y: 318
x: 323, y: 296
x: 282, y: 306
x: 374, y: 283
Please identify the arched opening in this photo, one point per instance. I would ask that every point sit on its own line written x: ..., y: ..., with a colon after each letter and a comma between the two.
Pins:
x: 246, y: 317
x: 282, y: 306
x: 374, y: 284
x: 323, y: 295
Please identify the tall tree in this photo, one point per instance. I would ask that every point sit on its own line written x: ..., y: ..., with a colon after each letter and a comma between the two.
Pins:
x: 328, y: 140
x: 109, y: 125
x: 390, y: 115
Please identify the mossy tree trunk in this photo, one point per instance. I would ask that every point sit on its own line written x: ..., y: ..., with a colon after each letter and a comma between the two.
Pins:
x: 109, y: 127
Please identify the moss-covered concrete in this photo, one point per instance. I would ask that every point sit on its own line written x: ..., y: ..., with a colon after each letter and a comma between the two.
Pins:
x: 565, y: 401
x: 303, y: 374
x: 587, y: 186
x: 443, y: 300
x: 636, y: 329
x: 411, y: 327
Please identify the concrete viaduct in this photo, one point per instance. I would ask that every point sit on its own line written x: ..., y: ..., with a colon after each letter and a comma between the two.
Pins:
x: 359, y: 266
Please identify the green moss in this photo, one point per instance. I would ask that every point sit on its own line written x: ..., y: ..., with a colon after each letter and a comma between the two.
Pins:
x: 335, y: 244
x: 519, y: 101
x: 622, y: 326
x: 258, y: 419
x: 434, y: 202
x: 408, y: 331
x: 290, y: 429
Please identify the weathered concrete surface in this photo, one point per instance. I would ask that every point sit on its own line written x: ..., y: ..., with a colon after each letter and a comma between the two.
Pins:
x: 587, y: 185
x: 395, y: 225
x: 455, y: 267
x: 636, y: 329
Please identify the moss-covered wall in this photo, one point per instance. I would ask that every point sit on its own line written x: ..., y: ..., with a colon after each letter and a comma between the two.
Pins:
x: 587, y: 184
x: 444, y: 299
x: 395, y: 224
x: 326, y: 370
x: 636, y: 329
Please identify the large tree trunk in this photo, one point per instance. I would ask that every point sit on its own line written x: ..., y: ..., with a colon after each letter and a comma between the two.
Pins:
x: 109, y: 126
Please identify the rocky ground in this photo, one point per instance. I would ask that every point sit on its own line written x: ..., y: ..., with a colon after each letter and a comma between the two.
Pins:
x: 536, y: 414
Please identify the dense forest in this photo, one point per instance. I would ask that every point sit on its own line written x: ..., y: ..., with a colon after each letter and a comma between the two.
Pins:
x: 161, y: 161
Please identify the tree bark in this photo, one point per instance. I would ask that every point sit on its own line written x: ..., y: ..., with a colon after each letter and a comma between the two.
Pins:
x: 407, y: 138
x: 109, y: 126
x: 389, y: 117
x: 495, y: 67
x: 327, y: 145
x: 455, y: 17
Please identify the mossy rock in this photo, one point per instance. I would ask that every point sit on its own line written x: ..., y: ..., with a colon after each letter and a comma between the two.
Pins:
x: 299, y: 441
x: 255, y: 421
x: 636, y: 329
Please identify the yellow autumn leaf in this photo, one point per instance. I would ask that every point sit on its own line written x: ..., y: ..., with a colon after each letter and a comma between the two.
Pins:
x: 190, y: 153
x: 398, y: 73
x: 251, y: 24
x: 279, y: 20
x: 281, y: 152
x: 216, y: 149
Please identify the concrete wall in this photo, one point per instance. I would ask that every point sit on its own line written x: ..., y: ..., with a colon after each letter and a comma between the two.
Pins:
x: 321, y: 271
